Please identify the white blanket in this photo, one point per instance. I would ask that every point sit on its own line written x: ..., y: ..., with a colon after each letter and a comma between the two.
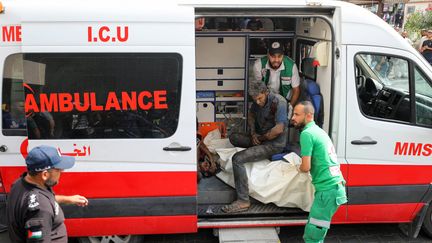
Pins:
x: 277, y: 182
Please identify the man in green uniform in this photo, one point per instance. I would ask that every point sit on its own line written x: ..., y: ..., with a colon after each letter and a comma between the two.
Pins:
x: 319, y: 157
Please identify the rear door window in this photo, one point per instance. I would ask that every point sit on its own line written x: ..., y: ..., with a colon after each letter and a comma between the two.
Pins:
x: 92, y: 95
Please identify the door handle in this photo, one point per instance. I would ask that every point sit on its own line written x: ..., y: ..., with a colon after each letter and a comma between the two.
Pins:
x: 3, y: 148
x: 364, y: 142
x: 177, y: 148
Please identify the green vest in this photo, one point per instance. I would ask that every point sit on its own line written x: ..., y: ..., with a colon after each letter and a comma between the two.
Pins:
x: 285, y: 75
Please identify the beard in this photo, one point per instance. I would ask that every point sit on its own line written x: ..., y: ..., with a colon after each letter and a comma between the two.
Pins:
x: 299, y: 126
x: 50, y: 182
x: 275, y: 65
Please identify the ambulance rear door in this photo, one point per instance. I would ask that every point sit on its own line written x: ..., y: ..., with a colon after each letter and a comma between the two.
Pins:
x: 114, y: 87
x: 13, y: 131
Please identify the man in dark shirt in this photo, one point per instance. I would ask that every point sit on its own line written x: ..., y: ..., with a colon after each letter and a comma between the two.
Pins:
x: 268, y: 132
x: 426, y: 49
x: 32, y: 207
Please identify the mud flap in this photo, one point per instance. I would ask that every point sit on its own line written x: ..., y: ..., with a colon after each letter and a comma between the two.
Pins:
x: 413, y: 229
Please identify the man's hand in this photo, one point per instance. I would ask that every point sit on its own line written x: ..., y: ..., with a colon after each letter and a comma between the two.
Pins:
x: 290, y: 112
x: 79, y: 200
x: 295, y: 96
x: 255, y: 140
x: 75, y: 200
x: 305, y: 166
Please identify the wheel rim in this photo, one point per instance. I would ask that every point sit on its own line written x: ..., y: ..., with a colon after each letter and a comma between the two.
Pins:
x: 111, y: 239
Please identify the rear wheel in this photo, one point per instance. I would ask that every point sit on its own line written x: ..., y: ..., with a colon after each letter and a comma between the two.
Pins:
x: 112, y: 239
x: 427, y: 223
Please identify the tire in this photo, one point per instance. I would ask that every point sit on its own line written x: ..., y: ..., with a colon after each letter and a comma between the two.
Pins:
x: 427, y: 223
x: 3, y: 217
x: 112, y: 239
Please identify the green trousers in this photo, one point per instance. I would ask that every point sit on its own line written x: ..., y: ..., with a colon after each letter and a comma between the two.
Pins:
x: 323, y: 207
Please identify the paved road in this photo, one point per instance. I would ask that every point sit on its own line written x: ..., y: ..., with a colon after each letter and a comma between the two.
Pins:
x: 368, y: 233
x: 339, y: 233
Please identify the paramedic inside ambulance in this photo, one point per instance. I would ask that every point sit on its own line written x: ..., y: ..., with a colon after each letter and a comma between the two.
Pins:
x: 279, y: 73
x: 14, y: 118
x: 319, y: 157
x: 34, y: 214
x: 268, y: 132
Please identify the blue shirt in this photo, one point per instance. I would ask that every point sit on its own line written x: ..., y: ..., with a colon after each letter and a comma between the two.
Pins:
x: 273, y: 112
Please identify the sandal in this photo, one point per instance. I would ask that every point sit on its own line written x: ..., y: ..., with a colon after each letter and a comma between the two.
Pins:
x: 235, y: 207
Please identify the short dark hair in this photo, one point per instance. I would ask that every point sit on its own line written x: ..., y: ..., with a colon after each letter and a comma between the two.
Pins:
x: 307, y: 107
x: 33, y: 173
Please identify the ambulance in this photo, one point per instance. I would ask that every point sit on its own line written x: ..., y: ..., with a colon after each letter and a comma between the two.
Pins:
x: 121, y: 85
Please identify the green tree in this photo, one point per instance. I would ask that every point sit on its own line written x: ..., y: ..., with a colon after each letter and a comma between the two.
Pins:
x: 418, y: 21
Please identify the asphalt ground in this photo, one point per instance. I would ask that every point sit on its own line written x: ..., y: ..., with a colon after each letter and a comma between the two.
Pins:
x: 360, y: 233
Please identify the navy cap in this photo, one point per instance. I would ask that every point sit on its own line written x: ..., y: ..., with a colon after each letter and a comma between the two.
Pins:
x: 45, y: 157
x: 276, y: 47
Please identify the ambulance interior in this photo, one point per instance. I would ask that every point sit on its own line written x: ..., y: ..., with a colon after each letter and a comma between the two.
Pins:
x: 226, y: 49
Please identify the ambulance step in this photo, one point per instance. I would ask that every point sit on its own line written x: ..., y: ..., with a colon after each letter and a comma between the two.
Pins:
x: 249, y: 222
x: 242, y: 235
x: 256, y: 209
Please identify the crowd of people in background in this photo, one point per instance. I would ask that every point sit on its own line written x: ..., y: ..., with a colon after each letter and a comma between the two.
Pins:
x: 423, y: 44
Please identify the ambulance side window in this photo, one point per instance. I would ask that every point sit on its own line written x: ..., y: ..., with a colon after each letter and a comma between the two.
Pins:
x: 383, y: 87
x: 94, y: 95
x: 423, y: 93
x: 13, y: 116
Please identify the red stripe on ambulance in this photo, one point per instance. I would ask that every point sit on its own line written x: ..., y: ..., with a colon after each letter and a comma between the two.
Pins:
x: 117, y: 184
x: 380, y: 175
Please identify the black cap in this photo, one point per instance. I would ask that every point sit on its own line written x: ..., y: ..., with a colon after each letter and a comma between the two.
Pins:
x: 276, y: 47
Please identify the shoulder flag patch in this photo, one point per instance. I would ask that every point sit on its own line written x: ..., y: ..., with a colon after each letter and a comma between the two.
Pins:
x: 34, y: 234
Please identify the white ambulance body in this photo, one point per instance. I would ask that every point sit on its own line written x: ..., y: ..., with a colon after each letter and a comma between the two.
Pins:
x: 115, y: 84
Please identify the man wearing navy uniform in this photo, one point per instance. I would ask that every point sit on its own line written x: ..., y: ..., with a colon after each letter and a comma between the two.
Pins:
x: 33, y: 211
